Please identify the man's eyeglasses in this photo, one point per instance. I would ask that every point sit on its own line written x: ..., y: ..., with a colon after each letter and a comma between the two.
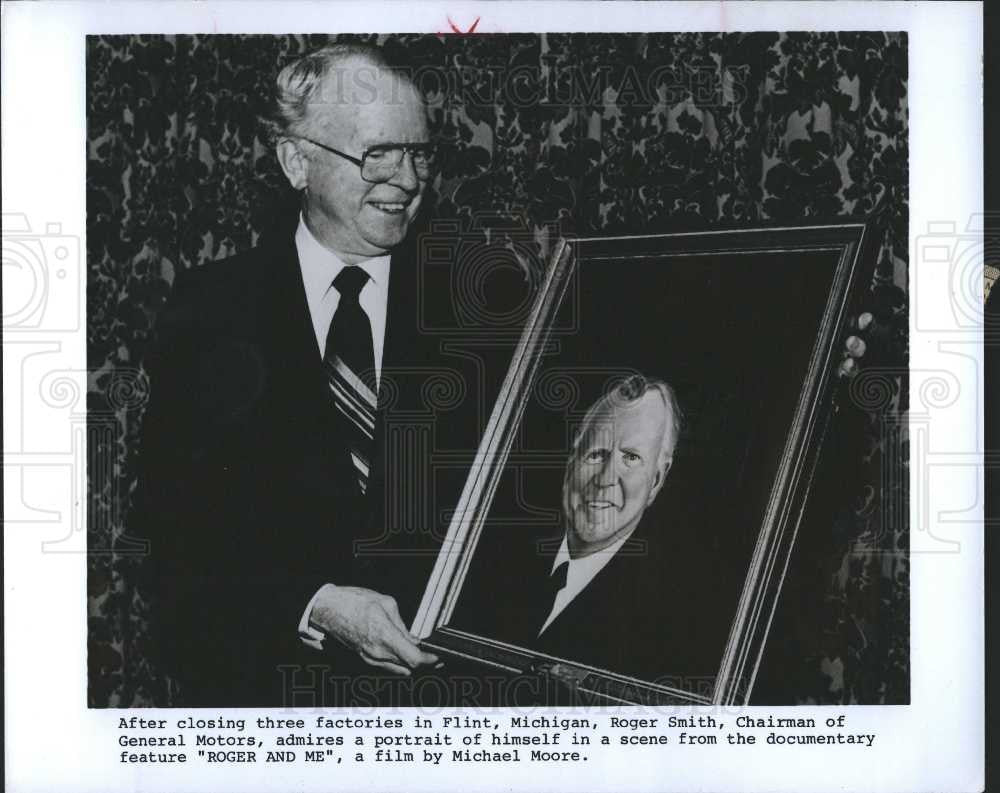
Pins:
x: 380, y: 163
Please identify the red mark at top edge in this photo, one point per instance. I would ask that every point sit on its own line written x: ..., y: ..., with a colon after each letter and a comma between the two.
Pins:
x: 457, y: 30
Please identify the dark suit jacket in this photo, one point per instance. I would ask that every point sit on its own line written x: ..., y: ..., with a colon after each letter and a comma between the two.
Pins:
x: 645, y: 614
x: 246, y: 491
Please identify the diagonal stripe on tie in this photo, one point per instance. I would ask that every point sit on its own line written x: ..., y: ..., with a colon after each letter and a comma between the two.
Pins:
x: 349, y: 361
x: 357, y: 413
x: 352, y: 396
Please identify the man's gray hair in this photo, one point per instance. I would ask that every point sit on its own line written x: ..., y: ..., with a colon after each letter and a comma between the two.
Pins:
x: 629, y: 391
x: 298, y: 84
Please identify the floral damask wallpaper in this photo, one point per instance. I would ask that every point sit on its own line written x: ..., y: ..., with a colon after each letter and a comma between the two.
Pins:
x: 625, y: 133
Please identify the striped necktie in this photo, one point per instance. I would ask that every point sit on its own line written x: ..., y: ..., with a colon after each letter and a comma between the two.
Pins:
x: 349, y: 361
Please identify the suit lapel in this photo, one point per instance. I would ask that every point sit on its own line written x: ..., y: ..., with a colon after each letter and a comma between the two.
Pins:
x: 605, y: 596
x: 402, y: 336
x: 300, y: 392
x: 532, y: 597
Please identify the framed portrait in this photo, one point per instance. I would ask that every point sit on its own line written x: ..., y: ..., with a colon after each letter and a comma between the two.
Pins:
x: 631, y: 513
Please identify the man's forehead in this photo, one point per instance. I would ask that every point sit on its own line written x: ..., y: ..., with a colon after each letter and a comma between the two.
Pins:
x: 633, y: 418
x: 391, y: 110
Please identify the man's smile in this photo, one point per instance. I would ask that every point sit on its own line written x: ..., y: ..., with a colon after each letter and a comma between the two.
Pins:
x: 391, y: 207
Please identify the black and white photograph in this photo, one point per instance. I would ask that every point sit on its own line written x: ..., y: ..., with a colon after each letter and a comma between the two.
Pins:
x: 311, y: 263
x: 538, y: 395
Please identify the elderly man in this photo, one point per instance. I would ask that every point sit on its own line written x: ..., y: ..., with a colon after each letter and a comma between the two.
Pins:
x: 605, y: 600
x: 620, y: 586
x: 599, y: 592
x: 264, y: 450
x: 620, y: 460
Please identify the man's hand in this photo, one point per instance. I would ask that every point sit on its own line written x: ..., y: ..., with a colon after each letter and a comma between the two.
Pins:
x: 368, y: 623
x: 855, y: 347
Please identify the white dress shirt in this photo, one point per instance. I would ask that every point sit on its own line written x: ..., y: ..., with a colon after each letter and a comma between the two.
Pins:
x: 580, y: 573
x: 319, y: 267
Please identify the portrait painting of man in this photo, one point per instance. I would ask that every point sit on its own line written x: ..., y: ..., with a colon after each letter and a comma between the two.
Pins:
x: 635, y: 500
x: 599, y: 594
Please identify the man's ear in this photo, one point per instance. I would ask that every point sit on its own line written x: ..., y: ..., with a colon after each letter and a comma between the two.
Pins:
x: 293, y: 162
x: 659, y: 478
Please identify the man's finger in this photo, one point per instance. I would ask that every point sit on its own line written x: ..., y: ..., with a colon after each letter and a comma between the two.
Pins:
x: 856, y: 346
x: 848, y: 368
x: 390, y: 666
x: 438, y: 663
x: 860, y: 322
x: 392, y: 609
x: 405, y: 649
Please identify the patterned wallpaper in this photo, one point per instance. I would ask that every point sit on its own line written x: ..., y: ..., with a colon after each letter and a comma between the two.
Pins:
x: 598, y: 134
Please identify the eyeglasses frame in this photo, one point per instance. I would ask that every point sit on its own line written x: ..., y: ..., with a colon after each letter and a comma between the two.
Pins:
x: 408, y: 148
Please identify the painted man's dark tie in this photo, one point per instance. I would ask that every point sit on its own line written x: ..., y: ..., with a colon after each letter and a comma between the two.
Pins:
x: 350, y: 367
x: 554, y: 585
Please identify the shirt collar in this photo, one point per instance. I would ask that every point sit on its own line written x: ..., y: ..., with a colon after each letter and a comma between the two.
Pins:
x: 592, y: 563
x: 320, y: 265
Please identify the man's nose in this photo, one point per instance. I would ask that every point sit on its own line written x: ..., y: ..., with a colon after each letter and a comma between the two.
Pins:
x: 405, y: 177
x: 607, y: 474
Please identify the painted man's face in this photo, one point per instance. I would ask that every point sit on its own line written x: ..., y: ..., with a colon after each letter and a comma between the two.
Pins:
x: 615, y: 473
